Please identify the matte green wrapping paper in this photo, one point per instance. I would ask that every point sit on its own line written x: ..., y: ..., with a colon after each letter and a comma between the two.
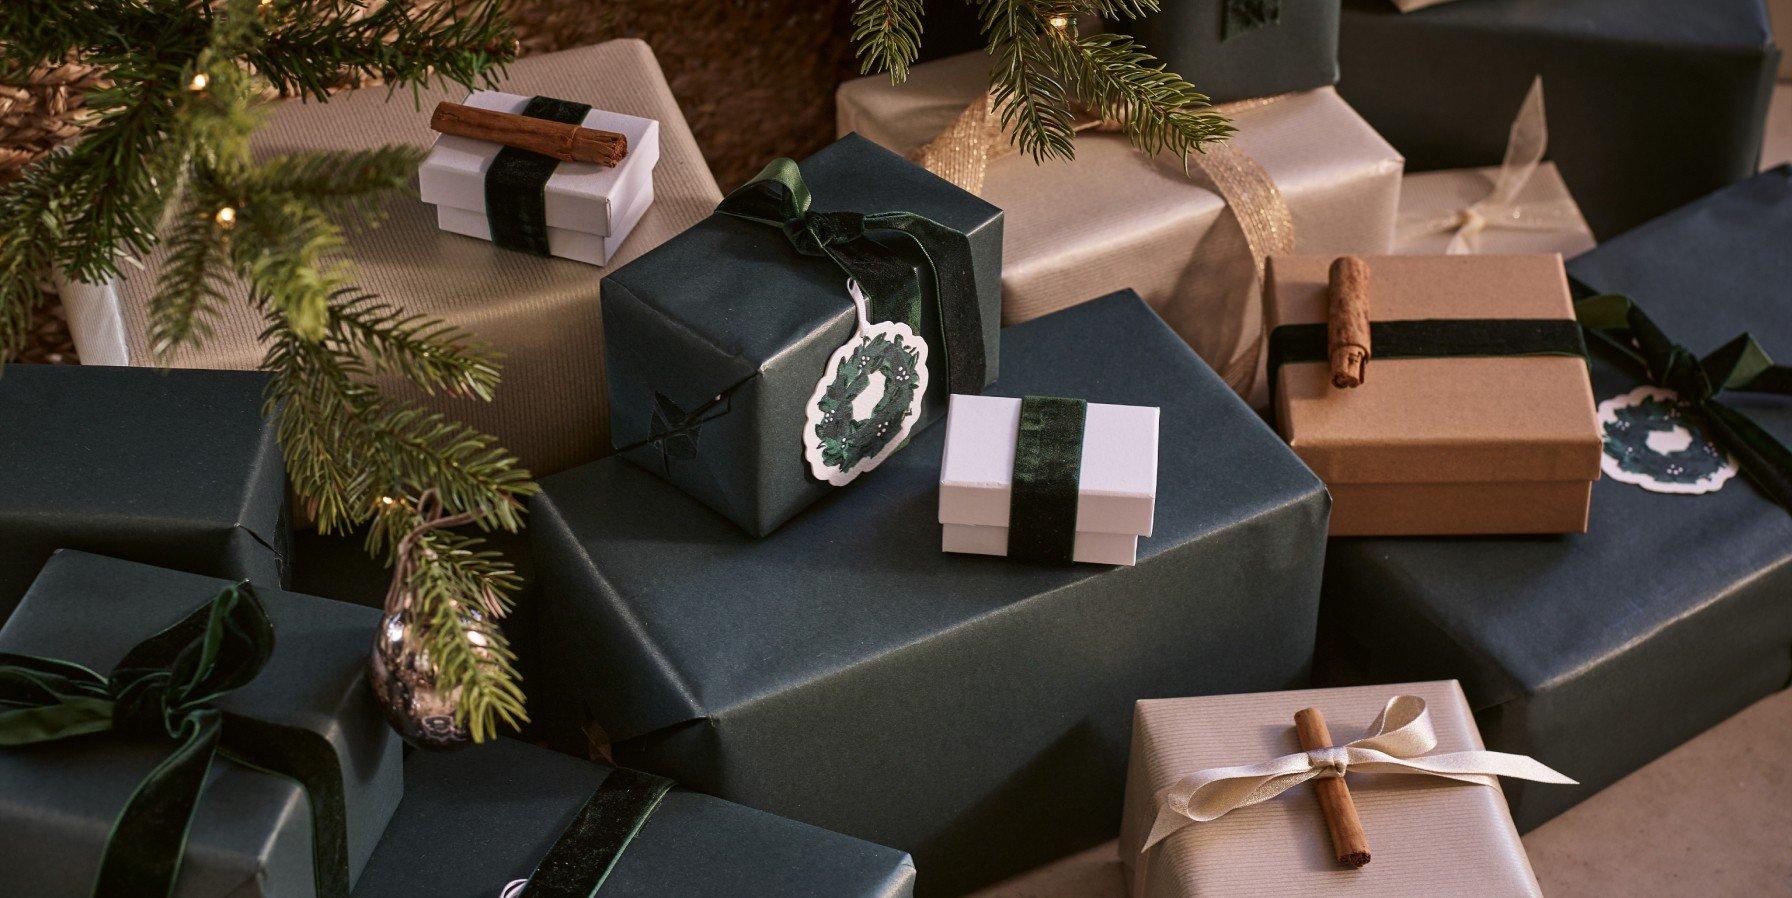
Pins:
x: 1596, y: 653
x: 172, y: 468
x: 1440, y: 84
x: 1243, y: 49
x: 251, y: 832
x: 971, y: 710
x: 716, y: 338
x: 474, y: 820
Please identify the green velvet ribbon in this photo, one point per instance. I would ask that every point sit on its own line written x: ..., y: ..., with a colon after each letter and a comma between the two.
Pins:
x: 777, y: 196
x: 587, y: 851
x: 1246, y: 15
x: 164, y: 690
x: 1741, y: 365
x: 1046, y: 488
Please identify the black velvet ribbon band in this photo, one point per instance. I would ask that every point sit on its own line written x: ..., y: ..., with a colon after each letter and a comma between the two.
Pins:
x: 777, y: 196
x: 579, y: 862
x: 517, y: 180
x: 1433, y: 338
x: 1048, y: 465
x: 163, y: 690
x: 1629, y: 336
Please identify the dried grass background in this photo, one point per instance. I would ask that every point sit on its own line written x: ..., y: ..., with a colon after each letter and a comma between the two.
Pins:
x: 755, y: 79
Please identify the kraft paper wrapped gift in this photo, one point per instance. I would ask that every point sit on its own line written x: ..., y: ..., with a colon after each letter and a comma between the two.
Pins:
x: 1596, y: 653
x: 541, y: 314
x: 1440, y: 84
x: 1115, y: 479
x: 251, y: 832
x: 972, y: 711
x: 722, y: 334
x: 1231, y: 51
x: 1426, y: 835
x: 1477, y: 443
x: 586, y: 210
x: 171, y: 468
x: 473, y: 821
x: 1114, y: 219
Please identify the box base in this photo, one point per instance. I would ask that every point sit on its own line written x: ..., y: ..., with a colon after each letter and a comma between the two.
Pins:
x: 1090, y: 547
x: 1459, y: 509
x: 579, y: 246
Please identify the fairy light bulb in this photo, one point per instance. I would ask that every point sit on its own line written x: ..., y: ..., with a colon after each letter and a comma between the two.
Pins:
x: 1059, y: 21
x: 200, y: 80
x: 226, y: 216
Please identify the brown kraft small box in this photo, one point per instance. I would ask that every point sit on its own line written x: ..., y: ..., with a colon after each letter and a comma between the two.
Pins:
x: 1474, y: 414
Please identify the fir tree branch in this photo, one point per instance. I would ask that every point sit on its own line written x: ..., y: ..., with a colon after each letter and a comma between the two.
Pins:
x: 888, y: 34
x: 1033, y: 103
x: 166, y: 161
x: 1159, y: 110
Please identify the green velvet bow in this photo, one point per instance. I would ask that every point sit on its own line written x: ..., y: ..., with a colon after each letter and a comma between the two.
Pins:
x: 1740, y: 365
x: 1247, y: 15
x: 164, y: 690
x: 778, y: 197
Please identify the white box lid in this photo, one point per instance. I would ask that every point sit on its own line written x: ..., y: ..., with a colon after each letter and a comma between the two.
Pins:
x: 1117, y: 485
x: 580, y: 196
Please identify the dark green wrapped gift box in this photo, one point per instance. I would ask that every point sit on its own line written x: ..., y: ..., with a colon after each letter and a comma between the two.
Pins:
x: 971, y: 710
x: 1596, y: 653
x: 718, y: 336
x: 175, y: 469
x: 251, y: 835
x: 1652, y: 103
x: 1244, y: 49
x: 472, y: 821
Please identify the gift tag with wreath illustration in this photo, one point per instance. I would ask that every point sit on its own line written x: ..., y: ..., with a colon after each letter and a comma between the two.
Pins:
x: 868, y: 398
x: 1653, y: 441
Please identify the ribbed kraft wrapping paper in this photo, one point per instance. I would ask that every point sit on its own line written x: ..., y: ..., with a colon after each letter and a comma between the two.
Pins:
x: 1113, y: 218
x: 1427, y: 836
x: 1436, y: 193
x: 540, y: 313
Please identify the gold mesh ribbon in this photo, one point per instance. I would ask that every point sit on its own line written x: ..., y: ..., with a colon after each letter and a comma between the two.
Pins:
x: 962, y: 153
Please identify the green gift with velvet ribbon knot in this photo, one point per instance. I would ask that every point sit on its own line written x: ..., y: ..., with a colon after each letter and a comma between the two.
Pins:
x: 1619, y: 325
x: 717, y: 342
x: 153, y: 747
x: 164, y: 689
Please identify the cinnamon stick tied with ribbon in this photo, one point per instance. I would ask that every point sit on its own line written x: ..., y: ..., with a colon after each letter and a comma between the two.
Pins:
x: 1401, y: 740
x: 1348, y: 840
x: 1347, y: 328
x: 567, y: 143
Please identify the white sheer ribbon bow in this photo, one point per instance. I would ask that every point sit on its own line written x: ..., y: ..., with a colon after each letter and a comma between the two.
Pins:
x: 1501, y: 207
x: 1398, y: 742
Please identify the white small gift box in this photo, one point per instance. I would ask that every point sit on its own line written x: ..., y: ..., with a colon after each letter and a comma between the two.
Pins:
x: 1116, y: 485
x: 587, y: 209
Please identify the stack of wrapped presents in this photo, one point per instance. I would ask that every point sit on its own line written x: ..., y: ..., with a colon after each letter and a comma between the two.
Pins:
x: 1379, y: 487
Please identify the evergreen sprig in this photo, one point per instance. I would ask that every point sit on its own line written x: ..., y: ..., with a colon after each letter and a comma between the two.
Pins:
x: 1042, y: 69
x: 164, y: 164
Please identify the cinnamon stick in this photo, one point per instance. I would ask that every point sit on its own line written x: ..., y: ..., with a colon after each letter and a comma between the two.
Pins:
x: 567, y: 143
x: 1348, y: 840
x: 1347, y: 330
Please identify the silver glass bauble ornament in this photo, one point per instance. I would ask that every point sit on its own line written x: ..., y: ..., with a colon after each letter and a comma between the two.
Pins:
x: 404, y: 683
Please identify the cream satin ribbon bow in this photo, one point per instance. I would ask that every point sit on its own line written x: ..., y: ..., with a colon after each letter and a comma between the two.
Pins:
x: 1501, y: 207
x: 1398, y: 741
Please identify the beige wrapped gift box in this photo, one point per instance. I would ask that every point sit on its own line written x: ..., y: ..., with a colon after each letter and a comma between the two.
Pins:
x: 1428, y: 835
x: 1545, y: 218
x: 540, y: 313
x: 1113, y: 218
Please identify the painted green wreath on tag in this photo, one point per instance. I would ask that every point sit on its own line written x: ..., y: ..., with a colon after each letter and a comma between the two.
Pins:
x: 1627, y: 442
x: 846, y: 441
